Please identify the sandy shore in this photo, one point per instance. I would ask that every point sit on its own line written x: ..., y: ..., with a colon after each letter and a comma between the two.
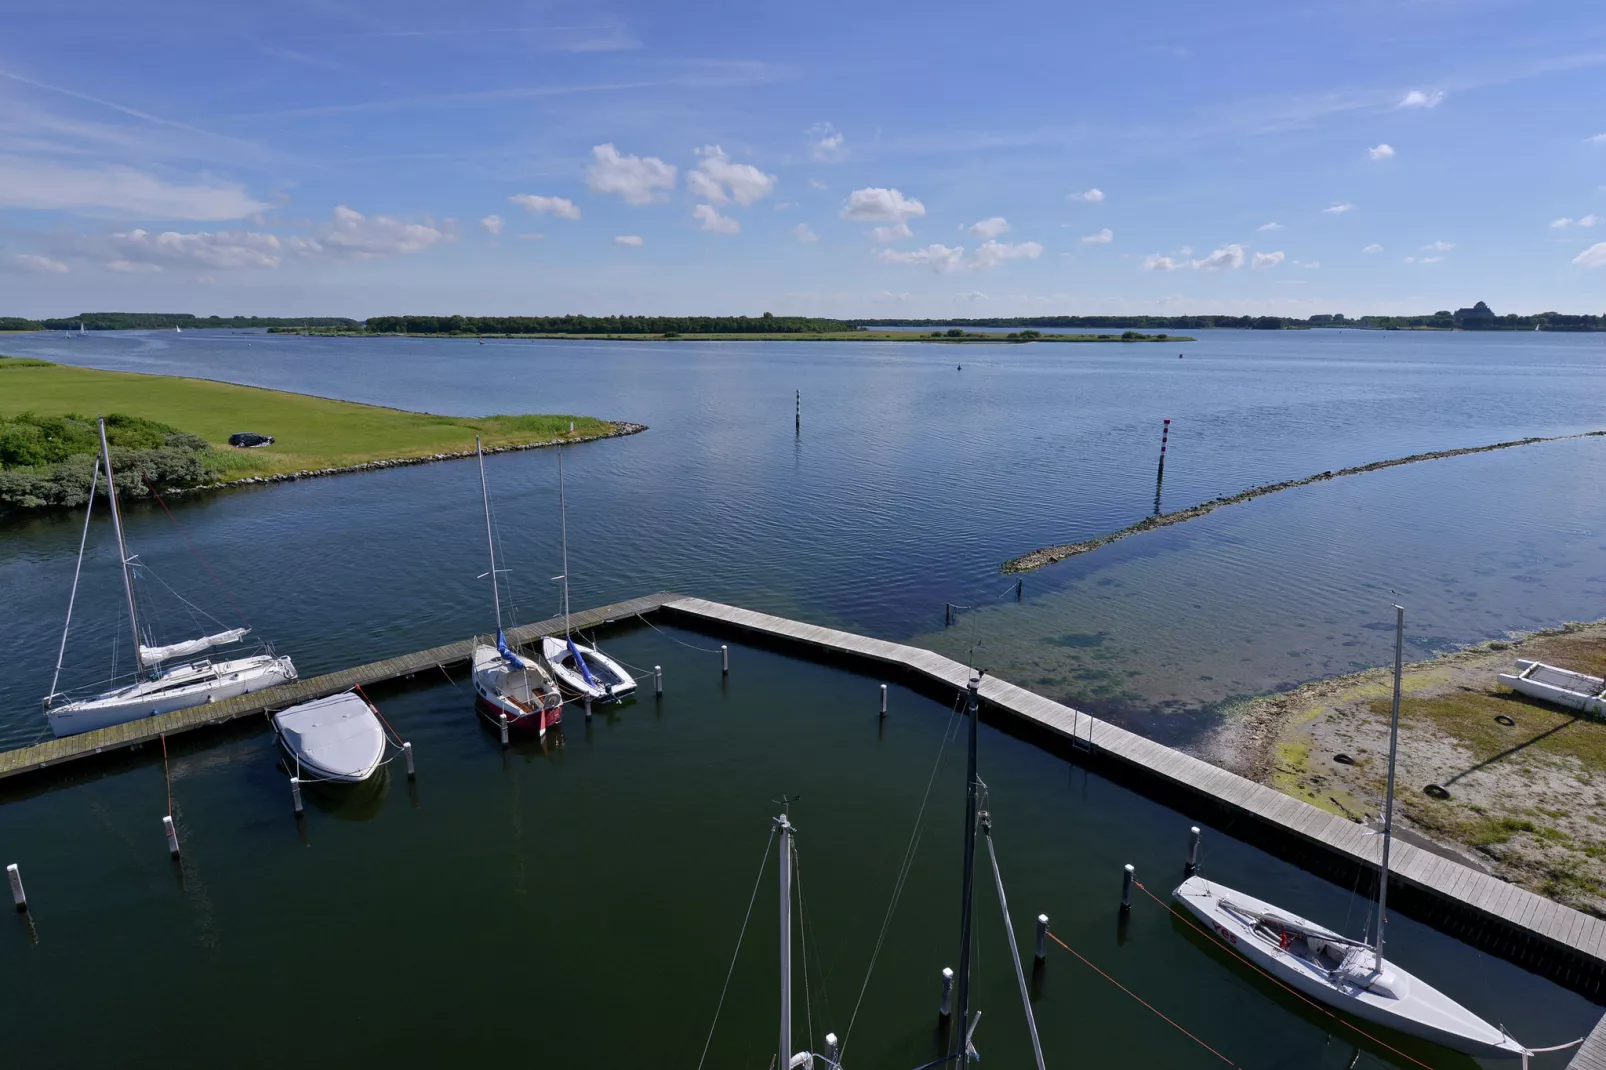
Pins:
x: 1527, y: 800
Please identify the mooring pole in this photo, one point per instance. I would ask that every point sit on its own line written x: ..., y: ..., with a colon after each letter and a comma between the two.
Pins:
x: 1126, y: 888
x: 658, y: 680
x: 883, y: 702
x: 1020, y: 585
x: 785, y: 827
x: 407, y: 752
x: 501, y: 722
x: 172, y: 835
x: 724, y: 660
x: 967, y: 891
x: 18, y: 896
x: 1159, y: 478
x: 797, y: 419
x: 1042, y: 938
x: 946, y: 1006
x: 295, y: 794
x: 1193, y: 848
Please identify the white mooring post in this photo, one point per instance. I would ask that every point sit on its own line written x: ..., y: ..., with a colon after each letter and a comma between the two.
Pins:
x: 831, y: 1051
x: 172, y: 835
x: 588, y: 707
x: 658, y: 679
x: 1126, y: 888
x: 18, y: 896
x: 407, y: 753
x: 295, y: 794
x: 946, y: 1006
x: 724, y: 660
x: 501, y: 721
x: 883, y: 700
x: 1042, y: 937
x: 1193, y: 848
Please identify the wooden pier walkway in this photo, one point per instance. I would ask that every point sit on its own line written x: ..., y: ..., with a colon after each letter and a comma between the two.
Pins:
x: 439, y: 659
x: 1592, y: 1056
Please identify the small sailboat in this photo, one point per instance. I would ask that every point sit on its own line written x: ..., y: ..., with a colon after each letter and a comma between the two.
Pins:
x: 506, y: 683
x: 1348, y: 975
x: 581, y: 670
x: 1575, y: 690
x: 178, y: 330
x: 336, y: 738
x: 155, y: 689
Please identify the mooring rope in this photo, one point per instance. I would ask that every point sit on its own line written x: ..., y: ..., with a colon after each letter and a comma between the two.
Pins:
x: 672, y: 639
x: 167, y: 776
x: 763, y: 863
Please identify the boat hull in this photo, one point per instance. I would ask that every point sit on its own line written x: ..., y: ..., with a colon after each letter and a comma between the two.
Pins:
x: 1560, y: 687
x: 612, y: 681
x: 1400, y: 1001
x: 338, y: 738
x: 180, y: 688
x: 526, y: 695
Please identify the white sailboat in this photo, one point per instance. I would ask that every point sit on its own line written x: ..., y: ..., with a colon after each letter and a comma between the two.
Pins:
x: 506, y: 683
x: 155, y: 689
x: 582, y: 670
x: 1349, y: 975
x: 335, y: 738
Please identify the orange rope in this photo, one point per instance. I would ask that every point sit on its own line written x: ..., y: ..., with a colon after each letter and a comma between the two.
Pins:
x: 1141, y: 1000
x: 365, y: 698
x: 166, y: 776
x: 1289, y: 988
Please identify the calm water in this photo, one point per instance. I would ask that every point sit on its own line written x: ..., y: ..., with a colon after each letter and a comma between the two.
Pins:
x: 601, y: 885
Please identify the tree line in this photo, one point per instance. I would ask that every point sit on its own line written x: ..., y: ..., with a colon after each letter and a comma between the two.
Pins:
x: 1461, y: 319
x: 765, y: 324
x: 157, y: 321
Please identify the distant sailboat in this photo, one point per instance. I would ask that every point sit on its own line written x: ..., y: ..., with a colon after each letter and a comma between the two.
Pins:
x: 80, y: 326
x: 178, y: 330
x: 155, y: 689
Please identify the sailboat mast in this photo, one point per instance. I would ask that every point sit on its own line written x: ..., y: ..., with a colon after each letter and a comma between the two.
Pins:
x: 968, y: 891
x: 1388, y: 803
x: 785, y: 827
x: 83, y: 541
x: 122, y: 545
x: 490, y: 540
x: 563, y: 516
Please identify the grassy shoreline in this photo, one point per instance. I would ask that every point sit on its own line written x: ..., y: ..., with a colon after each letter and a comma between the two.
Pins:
x: 312, y: 434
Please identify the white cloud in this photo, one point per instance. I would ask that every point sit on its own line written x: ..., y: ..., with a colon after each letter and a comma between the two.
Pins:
x: 1156, y: 262
x: 1311, y: 265
x: 1593, y: 257
x: 1439, y: 246
x: 1093, y: 196
x: 1373, y: 248
x: 1419, y: 98
x: 632, y: 240
x: 133, y: 267
x: 988, y: 228
x: 1338, y: 208
x: 492, y: 225
x: 1560, y: 224
x: 972, y: 295
x: 826, y: 143
x: 992, y: 253
x: 1266, y: 260
x: 1384, y: 151
x: 1270, y: 226
x: 781, y: 206
x: 1430, y: 260
x: 350, y: 235
x: 1591, y: 220
x: 121, y: 191
x: 815, y: 183
x: 216, y: 249
x: 1225, y: 258
x: 710, y: 218
x: 561, y: 207
x: 888, y: 235
x: 40, y: 265
x: 718, y: 180
x: 635, y: 179
x: 876, y: 205
x: 1598, y: 139
x: 1103, y: 237
x: 940, y: 258
x: 803, y: 234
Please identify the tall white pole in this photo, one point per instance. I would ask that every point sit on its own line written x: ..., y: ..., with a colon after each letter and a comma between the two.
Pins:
x: 122, y: 546
x: 1388, y: 803
x: 786, y: 941
x: 490, y: 540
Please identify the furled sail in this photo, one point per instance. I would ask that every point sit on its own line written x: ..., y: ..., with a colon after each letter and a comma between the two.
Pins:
x: 152, y: 655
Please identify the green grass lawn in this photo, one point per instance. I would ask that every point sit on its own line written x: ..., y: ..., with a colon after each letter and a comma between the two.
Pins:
x: 309, y: 432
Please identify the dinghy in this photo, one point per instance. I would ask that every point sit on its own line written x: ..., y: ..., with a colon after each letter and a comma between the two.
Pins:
x: 506, y: 683
x: 1563, y: 687
x: 155, y: 690
x: 581, y: 670
x: 1347, y: 975
x: 337, y: 738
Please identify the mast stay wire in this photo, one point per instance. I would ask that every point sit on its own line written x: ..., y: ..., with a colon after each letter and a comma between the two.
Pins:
x: 1014, y: 950
x: 83, y: 540
x: 762, y: 865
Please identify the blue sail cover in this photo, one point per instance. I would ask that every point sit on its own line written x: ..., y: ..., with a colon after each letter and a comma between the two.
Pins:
x: 578, y: 660
x: 507, y: 651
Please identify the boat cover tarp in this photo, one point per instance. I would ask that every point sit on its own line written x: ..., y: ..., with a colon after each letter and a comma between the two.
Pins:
x: 152, y: 655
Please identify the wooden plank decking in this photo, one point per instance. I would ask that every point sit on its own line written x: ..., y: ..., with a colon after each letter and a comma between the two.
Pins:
x: 1592, y: 1056
x: 1466, y: 889
x: 56, y: 751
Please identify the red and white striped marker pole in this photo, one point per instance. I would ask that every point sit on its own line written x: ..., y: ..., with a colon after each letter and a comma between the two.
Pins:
x: 1159, y: 478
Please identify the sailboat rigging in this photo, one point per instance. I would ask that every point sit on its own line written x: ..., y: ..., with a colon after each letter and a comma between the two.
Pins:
x: 155, y: 690
x: 506, y: 683
x: 581, y: 670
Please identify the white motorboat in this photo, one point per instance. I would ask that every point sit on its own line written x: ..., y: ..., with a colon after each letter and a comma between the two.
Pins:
x: 581, y: 670
x: 336, y: 738
x: 1347, y: 975
x: 506, y: 683
x: 1563, y: 687
x: 155, y: 690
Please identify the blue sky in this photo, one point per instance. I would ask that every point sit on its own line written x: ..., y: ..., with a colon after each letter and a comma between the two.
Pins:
x: 350, y: 157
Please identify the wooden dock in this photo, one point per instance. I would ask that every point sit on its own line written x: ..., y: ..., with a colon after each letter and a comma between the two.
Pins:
x: 1592, y: 1056
x: 436, y: 660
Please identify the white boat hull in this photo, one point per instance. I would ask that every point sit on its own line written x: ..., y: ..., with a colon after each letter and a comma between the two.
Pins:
x: 525, y: 693
x: 612, y: 681
x: 1562, y: 687
x: 337, y: 738
x: 179, y: 688
x: 1340, y: 974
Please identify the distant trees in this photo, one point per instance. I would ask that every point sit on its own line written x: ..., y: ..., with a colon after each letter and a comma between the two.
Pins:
x: 768, y: 323
x: 1477, y: 318
x: 157, y: 321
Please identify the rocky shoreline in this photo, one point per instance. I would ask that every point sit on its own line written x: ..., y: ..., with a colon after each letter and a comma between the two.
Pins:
x: 619, y: 431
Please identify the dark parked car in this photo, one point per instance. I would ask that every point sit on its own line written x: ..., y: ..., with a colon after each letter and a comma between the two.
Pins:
x: 249, y: 439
